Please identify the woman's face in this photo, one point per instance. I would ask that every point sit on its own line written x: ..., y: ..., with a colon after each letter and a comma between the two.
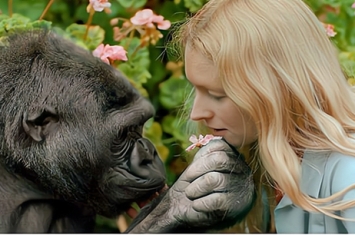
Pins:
x: 211, y: 104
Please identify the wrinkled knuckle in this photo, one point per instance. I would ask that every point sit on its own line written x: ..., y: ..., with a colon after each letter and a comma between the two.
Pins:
x: 219, y: 158
x: 217, y: 145
x: 212, y: 179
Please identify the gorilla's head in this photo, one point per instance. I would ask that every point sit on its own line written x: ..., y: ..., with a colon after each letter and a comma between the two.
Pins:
x: 72, y: 124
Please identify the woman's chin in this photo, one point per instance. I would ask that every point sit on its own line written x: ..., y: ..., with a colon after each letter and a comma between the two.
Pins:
x: 237, y: 142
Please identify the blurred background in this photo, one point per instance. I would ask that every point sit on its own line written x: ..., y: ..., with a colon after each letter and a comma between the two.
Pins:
x: 153, y: 66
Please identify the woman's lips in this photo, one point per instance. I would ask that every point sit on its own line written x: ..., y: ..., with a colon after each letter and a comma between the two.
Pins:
x: 219, y: 132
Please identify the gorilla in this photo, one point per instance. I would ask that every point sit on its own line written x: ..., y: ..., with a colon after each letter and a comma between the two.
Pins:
x: 71, y: 147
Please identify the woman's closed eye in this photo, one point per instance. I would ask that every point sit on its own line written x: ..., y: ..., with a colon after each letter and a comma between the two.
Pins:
x: 216, y: 96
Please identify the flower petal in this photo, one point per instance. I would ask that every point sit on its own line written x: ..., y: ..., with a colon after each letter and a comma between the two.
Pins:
x: 207, y: 139
x: 193, y: 139
x: 142, y: 17
x: 191, y: 147
x: 99, y: 50
x: 164, y: 25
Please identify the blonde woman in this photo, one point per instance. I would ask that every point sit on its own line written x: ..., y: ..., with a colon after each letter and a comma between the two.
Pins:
x: 266, y: 78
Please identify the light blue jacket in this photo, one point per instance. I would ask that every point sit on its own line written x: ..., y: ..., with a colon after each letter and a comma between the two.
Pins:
x: 323, y: 174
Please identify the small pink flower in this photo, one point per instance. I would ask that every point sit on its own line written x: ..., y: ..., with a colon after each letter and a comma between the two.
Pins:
x: 99, y: 50
x: 110, y: 52
x: 329, y: 28
x: 147, y: 17
x: 162, y: 24
x: 201, y: 141
x: 98, y: 5
x: 353, y: 6
x: 143, y: 17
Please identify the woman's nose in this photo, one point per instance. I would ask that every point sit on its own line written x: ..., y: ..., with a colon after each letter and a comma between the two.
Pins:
x: 200, y: 110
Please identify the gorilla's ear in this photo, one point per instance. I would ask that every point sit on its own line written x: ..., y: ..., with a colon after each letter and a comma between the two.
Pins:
x: 38, y: 125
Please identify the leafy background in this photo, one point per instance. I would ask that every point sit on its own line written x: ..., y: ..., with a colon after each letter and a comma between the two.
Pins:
x: 155, y: 72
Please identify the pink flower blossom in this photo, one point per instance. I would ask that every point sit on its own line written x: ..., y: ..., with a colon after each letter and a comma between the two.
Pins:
x: 147, y: 17
x: 201, y: 141
x: 143, y: 17
x: 162, y: 24
x: 98, y: 5
x: 329, y: 28
x: 353, y: 6
x: 107, y: 53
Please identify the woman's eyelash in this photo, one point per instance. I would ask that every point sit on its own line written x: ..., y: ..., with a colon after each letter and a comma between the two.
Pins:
x: 216, y: 97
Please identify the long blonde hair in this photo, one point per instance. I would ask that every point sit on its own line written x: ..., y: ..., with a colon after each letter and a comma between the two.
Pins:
x: 276, y: 62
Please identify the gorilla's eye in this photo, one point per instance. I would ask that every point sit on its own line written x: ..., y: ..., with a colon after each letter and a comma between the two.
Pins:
x: 116, y: 102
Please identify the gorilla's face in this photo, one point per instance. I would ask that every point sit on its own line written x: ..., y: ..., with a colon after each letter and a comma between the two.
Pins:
x: 135, y: 170
x: 73, y: 125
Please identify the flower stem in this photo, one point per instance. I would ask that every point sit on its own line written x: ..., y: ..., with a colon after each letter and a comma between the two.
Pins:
x: 130, y: 38
x: 10, y: 8
x: 88, y: 23
x: 46, y: 9
x: 136, y: 49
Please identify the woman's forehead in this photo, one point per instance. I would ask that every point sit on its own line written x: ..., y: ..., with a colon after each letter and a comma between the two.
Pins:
x: 201, y: 72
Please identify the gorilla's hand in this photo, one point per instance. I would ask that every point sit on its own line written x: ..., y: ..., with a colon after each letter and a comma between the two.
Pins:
x: 214, y: 192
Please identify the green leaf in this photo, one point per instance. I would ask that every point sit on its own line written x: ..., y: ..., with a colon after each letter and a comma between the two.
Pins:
x: 137, y: 66
x: 154, y: 133
x: 173, y: 92
x: 134, y: 4
x: 20, y: 22
x: 194, y: 5
x: 174, y: 127
x: 137, y: 55
x: 41, y: 24
x: 94, y: 38
x: 134, y: 72
x: 29, y: 8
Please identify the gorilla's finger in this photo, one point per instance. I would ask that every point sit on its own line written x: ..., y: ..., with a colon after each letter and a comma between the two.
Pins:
x: 216, y: 202
x: 214, y: 161
x: 213, y: 146
x: 206, y: 184
x: 195, y: 217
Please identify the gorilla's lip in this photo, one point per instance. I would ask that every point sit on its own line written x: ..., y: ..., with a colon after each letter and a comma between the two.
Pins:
x: 146, y: 190
x: 133, y: 182
x: 134, y: 193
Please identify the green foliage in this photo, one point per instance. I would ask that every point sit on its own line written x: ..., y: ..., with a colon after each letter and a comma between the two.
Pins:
x: 134, y: 4
x: 95, y: 37
x: 169, y: 98
x: 194, y: 5
x: 19, y: 22
x: 29, y: 8
x: 340, y: 14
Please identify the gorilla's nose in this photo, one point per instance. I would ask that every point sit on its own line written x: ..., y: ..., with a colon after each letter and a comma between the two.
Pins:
x: 144, y: 159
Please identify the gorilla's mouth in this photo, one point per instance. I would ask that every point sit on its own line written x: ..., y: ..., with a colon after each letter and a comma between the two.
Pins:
x: 125, y: 179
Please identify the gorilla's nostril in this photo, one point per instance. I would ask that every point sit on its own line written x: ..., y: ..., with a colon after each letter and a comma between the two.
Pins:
x: 146, y: 162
